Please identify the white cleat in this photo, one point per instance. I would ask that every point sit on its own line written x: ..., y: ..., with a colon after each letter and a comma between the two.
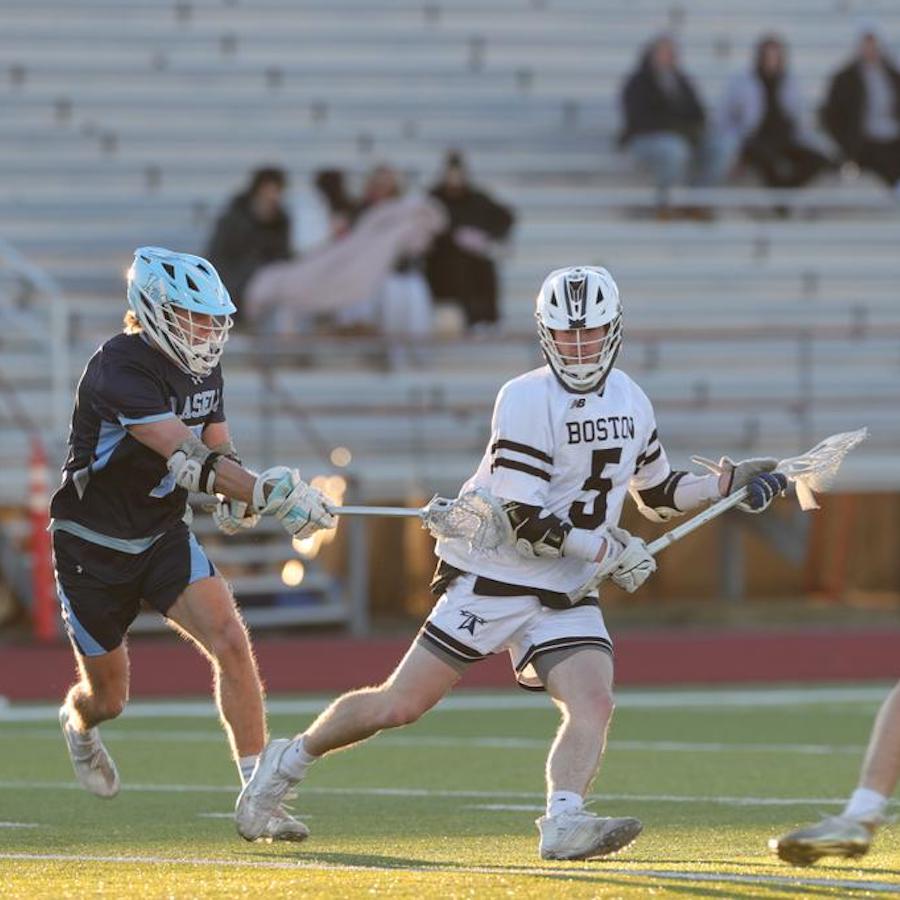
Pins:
x: 93, y: 765
x: 282, y: 826
x: 582, y: 835
x: 263, y: 794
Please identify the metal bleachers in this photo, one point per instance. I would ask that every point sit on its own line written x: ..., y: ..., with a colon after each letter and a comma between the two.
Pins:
x: 125, y: 124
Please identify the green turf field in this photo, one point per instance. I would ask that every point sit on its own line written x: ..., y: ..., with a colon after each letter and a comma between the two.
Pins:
x: 446, y: 807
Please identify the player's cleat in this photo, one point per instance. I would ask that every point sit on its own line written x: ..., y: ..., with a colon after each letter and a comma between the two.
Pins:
x: 93, y: 765
x: 834, y: 836
x: 582, y: 835
x: 263, y: 793
x: 284, y: 827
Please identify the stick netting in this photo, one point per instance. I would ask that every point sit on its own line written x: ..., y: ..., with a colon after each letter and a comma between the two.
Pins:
x: 816, y: 469
x: 475, y: 517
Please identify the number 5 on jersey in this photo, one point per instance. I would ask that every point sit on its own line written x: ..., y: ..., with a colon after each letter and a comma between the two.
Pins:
x: 579, y: 514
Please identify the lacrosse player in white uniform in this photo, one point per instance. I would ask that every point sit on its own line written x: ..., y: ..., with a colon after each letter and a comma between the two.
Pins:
x: 569, y: 440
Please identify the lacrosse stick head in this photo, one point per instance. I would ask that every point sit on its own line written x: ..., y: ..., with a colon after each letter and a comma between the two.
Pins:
x: 475, y: 517
x: 816, y: 470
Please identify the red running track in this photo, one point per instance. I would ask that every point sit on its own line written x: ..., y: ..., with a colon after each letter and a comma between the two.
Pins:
x: 170, y: 667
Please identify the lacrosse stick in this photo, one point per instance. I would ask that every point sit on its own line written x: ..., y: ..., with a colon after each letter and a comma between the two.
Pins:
x: 475, y: 517
x: 811, y: 471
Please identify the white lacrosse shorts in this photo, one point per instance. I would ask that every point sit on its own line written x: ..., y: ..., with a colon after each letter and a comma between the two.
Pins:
x: 465, y: 627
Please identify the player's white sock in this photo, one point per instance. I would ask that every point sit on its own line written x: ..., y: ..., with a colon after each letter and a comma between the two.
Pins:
x: 295, y: 760
x: 246, y: 765
x: 866, y: 805
x: 563, y: 801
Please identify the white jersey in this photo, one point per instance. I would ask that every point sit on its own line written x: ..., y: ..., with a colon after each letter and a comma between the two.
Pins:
x: 573, y: 455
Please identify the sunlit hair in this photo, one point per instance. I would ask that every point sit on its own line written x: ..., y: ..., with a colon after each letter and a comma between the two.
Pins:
x: 131, y: 323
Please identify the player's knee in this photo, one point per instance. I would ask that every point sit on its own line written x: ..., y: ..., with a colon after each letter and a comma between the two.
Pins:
x: 594, y: 703
x: 229, y: 644
x: 110, y: 702
x: 399, y: 711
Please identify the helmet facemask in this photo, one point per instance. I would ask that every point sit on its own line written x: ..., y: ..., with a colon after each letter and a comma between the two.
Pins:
x: 583, y: 359
x: 196, y: 339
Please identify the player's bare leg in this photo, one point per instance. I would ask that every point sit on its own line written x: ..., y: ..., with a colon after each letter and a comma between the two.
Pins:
x: 417, y: 684
x: 100, y: 694
x: 206, y: 613
x: 850, y: 834
x: 881, y: 768
x: 581, y: 686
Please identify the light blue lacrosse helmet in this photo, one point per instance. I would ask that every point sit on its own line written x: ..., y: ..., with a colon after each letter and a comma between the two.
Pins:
x: 168, y: 291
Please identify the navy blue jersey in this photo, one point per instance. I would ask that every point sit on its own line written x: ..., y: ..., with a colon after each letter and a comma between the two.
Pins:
x: 112, y: 484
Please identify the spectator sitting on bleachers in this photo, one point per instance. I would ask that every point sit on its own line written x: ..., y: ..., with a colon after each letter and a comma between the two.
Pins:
x: 401, y: 303
x: 323, y: 212
x: 761, y: 120
x: 665, y: 125
x: 366, y: 279
x: 252, y: 232
x: 862, y: 110
x: 460, y: 265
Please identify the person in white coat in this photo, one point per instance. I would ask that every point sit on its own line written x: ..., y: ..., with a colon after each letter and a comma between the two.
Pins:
x: 761, y: 119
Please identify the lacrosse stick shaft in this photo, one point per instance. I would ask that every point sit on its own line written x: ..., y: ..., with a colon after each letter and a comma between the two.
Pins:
x: 395, y: 511
x: 708, y: 514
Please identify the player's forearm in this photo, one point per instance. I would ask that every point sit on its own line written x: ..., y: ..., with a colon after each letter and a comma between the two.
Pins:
x: 234, y: 481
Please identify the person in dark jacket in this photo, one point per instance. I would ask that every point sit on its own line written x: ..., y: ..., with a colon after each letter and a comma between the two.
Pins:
x: 253, y: 231
x: 862, y: 110
x: 460, y: 266
x: 665, y: 124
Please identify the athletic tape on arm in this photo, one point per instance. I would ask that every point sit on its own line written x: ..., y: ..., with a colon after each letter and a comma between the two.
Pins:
x: 678, y: 493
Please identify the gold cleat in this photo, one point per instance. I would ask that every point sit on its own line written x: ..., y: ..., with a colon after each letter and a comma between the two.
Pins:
x: 834, y: 836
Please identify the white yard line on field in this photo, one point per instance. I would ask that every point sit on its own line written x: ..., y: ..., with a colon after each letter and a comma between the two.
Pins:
x: 429, y: 793
x: 601, y: 870
x: 19, y: 825
x: 741, y: 698
x: 142, y: 735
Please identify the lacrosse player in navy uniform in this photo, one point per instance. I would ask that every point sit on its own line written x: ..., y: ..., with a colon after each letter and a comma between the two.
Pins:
x: 569, y: 440
x: 148, y: 427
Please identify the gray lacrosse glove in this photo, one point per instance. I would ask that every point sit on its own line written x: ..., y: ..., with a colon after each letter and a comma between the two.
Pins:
x: 735, y: 475
x: 231, y: 516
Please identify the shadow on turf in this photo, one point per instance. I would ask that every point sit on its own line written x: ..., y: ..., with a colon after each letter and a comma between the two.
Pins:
x: 695, y: 889
x: 591, y: 873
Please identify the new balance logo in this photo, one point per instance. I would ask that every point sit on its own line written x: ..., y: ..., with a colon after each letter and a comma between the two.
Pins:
x: 578, y: 403
x: 470, y: 620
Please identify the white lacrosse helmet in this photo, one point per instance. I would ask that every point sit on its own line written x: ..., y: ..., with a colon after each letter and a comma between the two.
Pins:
x: 168, y: 292
x: 576, y: 299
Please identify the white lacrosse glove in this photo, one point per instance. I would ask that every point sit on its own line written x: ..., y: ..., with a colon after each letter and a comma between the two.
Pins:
x: 300, y: 508
x: 627, y: 564
x: 735, y: 475
x: 231, y: 516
